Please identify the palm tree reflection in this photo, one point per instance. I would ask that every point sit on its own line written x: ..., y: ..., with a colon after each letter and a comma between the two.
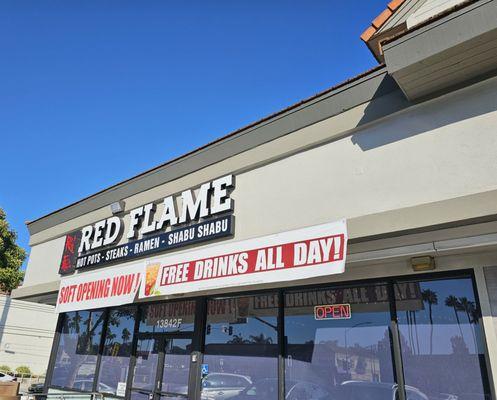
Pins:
x: 469, y: 308
x: 430, y: 297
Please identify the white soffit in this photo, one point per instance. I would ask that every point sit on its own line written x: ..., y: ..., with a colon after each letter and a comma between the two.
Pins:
x: 430, y: 9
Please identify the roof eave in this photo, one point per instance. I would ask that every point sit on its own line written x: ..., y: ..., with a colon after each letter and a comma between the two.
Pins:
x: 366, y: 93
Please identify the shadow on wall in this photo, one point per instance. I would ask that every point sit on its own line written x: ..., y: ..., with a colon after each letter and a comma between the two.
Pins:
x: 453, y: 108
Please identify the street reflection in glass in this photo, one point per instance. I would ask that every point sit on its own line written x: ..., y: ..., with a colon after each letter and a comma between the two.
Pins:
x: 241, y: 348
x: 117, y: 350
x: 440, y: 337
x: 147, y: 356
x: 77, y: 353
x: 176, y: 366
x: 338, y: 344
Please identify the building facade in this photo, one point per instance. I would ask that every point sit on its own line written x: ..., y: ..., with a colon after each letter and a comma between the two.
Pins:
x: 344, y: 247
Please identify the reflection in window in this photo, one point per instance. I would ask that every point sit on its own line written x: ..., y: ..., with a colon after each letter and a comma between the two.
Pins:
x: 176, y: 366
x: 117, y: 350
x: 168, y: 317
x: 147, y: 357
x: 241, y: 347
x: 440, y: 338
x: 334, y: 351
x: 77, y: 352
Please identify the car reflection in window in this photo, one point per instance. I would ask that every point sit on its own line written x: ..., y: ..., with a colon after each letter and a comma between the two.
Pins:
x: 222, y: 386
x: 267, y: 389
x: 359, y: 390
x: 87, y: 386
x: 349, y: 390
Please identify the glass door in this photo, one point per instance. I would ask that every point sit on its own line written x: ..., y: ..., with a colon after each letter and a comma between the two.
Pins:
x: 161, y: 367
x: 176, y: 368
x: 144, y: 380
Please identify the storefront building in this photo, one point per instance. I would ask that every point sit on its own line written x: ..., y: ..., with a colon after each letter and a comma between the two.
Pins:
x: 343, y: 248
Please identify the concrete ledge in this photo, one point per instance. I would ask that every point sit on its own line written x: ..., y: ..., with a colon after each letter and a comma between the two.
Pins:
x: 45, y: 289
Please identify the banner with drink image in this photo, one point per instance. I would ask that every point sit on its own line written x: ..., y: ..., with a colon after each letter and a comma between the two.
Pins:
x: 299, y: 254
x: 303, y: 253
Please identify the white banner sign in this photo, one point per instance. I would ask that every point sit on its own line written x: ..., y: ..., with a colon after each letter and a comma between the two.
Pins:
x: 105, y: 288
x: 299, y: 254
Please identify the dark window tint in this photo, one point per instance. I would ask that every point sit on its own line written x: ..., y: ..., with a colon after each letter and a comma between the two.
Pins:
x: 117, y: 350
x: 77, y: 352
x: 241, y: 345
x: 168, y: 317
x: 440, y: 338
x: 338, y: 343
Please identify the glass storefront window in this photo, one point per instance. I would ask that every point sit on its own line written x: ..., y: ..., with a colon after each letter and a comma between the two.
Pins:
x: 117, y: 350
x: 176, y: 370
x: 440, y: 336
x: 147, y: 358
x: 168, y: 317
x: 241, y: 348
x: 338, y: 343
x: 77, y: 353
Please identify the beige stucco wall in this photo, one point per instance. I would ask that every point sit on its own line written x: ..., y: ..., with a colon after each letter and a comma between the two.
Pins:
x: 42, y: 259
x: 26, y: 334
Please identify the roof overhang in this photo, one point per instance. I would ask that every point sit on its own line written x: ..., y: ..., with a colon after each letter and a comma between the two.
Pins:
x: 446, y: 52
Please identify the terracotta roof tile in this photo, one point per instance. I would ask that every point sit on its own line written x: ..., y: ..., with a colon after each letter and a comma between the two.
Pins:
x: 394, y: 4
x: 366, y: 35
x: 381, y: 19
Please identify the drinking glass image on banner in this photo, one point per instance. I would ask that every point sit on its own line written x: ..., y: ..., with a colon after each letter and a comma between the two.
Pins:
x: 151, y: 274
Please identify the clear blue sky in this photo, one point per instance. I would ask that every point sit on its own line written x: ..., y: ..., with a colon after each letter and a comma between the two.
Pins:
x: 93, y: 91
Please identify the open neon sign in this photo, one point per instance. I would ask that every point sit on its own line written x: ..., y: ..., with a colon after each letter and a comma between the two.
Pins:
x: 332, y: 311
